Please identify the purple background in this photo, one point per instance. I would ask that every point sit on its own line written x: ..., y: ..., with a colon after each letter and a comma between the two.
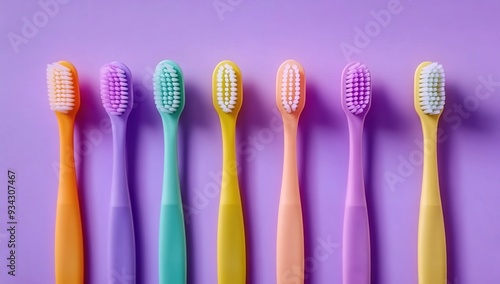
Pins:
x: 258, y: 36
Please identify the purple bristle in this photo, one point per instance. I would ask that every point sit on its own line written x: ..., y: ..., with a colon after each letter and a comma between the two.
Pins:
x: 358, y: 88
x: 114, y: 89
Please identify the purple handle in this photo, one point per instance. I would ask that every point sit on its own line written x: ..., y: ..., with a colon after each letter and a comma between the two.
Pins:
x: 356, y: 240
x: 121, y: 235
x: 122, y: 249
x: 356, y: 251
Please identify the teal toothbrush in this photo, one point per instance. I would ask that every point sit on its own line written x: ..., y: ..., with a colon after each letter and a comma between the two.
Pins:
x: 169, y: 98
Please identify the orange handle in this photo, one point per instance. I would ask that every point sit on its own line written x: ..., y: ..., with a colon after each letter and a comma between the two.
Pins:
x: 69, y: 261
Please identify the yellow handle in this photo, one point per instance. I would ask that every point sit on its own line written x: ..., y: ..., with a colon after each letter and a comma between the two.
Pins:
x: 231, y: 245
x: 69, y: 262
x: 231, y: 255
x: 431, y: 231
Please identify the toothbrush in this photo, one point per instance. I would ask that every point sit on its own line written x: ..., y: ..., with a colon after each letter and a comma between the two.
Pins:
x: 169, y: 98
x: 290, y: 100
x: 356, y: 101
x: 117, y: 99
x: 429, y: 104
x: 227, y: 99
x: 64, y: 99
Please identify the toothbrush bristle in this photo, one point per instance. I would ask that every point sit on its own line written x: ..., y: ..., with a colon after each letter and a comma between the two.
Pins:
x: 227, y: 87
x: 60, y: 83
x: 431, y: 89
x: 115, y: 89
x: 168, y: 88
x: 357, y: 88
x: 290, y: 87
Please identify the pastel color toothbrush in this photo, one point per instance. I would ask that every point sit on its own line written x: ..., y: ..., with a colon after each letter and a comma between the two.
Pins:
x: 64, y: 99
x: 169, y: 98
x: 290, y: 99
x: 227, y: 99
x: 429, y: 104
x: 356, y: 101
x: 117, y: 99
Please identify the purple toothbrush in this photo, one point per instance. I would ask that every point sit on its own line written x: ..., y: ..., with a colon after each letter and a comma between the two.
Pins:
x: 117, y: 99
x: 356, y: 100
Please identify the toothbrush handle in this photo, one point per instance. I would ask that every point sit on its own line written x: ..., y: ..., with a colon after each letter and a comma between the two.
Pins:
x: 290, y: 244
x: 121, y: 236
x: 231, y: 245
x: 122, y: 248
x: 69, y: 260
x: 431, y: 246
x: 356, y: 236
x: 431, y: 230
x: 172, y: 262
x: 356, y: 253
x: 231, y: 254
x: 172, y: 238
x: 290, y: 237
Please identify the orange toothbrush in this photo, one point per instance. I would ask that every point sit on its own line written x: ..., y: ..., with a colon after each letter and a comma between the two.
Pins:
x: 64, y: 99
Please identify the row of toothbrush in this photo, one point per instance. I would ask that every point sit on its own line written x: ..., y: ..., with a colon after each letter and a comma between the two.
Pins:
x: 169, y: 97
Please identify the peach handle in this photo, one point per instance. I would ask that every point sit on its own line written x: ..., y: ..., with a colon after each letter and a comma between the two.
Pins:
x: 290, y: 239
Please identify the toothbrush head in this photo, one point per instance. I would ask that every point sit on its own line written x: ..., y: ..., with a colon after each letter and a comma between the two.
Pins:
x: 429, y: 89
x: 168, y: 84
x: 116, y: 89
x: 356, y: 89
x: 290, y: 88
x: 227, y: 88
x: 63, y: 90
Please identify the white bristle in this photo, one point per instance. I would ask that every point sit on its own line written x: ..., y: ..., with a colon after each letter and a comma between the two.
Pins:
x: 60, y: 88
x: 227, y: 88
x: 431, y: 89
x: 290, y: 87
x: 168, y: 94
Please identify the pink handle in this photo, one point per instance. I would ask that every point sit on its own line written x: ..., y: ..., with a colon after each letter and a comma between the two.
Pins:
x: 356, y: 239
x: 356, y: 253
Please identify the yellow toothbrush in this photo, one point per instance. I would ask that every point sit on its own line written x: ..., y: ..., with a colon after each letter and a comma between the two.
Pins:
x: 429, y: 104
x: 227, y: 98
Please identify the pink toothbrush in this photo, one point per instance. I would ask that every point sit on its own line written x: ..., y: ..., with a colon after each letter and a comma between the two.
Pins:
x: 356, y: 100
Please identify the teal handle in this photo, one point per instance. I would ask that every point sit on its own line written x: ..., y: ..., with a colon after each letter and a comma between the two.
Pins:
x: 172, y: 236
x: 172, y: 245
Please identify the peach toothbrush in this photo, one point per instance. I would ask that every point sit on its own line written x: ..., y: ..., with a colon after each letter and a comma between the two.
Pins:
x: 64, y: 99
x: 290, y: 100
